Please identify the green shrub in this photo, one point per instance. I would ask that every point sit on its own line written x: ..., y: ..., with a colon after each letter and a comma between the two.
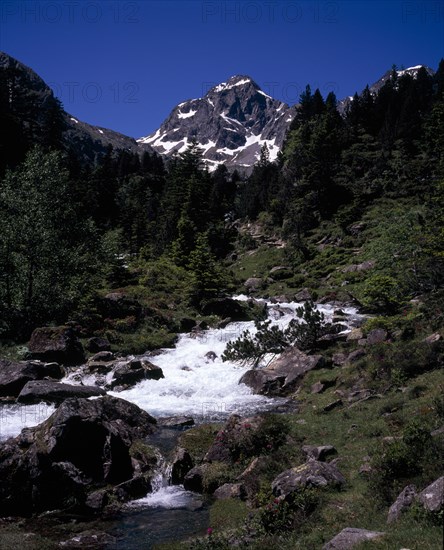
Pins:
x: 382, y: 293
x: 396, y: 462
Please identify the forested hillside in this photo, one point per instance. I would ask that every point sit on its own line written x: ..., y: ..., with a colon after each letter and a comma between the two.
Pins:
x: 368, y: 183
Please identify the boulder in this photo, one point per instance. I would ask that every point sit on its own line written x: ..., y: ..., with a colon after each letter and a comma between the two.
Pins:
x: 83, y: 447
x: 310, y: 474
x: 58, y: 344
x: 350, y: 537
x: 402, y: 503
x: 194, y: 479
x: 320, y: 452
x: 281, y: 272
x: 254, y: 283
x: 354, y: 335
x: 241, y: 438
x: 432, y: 497
x: 14, y: 375
x: 435, y: 337
x: 356, y: 355
x: 339, y: 359
x: 97, y: 344
x: 284, y: 374
x: 376, y: 336
x: 230, y: 490
x: 101, y: 357
x: 364, y: 266
x: 303, y: 295
x: 134, y: 372
x: 50, y: 391
x: 182, y: 463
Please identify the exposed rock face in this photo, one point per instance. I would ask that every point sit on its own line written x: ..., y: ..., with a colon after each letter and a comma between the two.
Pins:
x: 231, y: 123
x: 350, y: 537
x: 284, y: 374
x: 14, y: 376
x: 310, y: 474
x: 50, y: 391
x: 58, y: 344
x: 83, y: 447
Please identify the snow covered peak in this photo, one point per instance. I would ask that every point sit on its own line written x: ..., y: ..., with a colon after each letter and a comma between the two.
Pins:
x: 231, y: 124
x: 234, y: 81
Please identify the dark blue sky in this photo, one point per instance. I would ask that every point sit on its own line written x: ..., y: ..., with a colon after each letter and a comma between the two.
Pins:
x: 125, y: 64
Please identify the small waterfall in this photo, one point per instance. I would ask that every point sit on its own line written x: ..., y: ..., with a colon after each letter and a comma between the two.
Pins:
x: 163, y: 494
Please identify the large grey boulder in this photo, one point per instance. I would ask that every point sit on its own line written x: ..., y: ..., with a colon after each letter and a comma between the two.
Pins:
x: 310, y: 474
x: 432, y: 497
x: 83, y: 447
x: 284, y: 374
x: 350, y: 537
x: 402, y: 503
x: 135, y: 371
x: 50, y: 391
x: 14, y: 375
x: 58, y: 344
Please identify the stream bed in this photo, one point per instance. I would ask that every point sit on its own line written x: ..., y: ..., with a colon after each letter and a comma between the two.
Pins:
x: 196, y: 383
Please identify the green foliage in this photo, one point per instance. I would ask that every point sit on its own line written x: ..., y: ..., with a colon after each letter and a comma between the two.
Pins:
x: 382, y: 293
x: 50, y: 254
x: 399, y: 460
x: 207, y: 277
x: 282, y: 515
x: 270, y: 339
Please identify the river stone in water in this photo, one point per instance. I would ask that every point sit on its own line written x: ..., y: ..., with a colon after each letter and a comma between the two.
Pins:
x: 14, y: 375
x: 84, y: 446
x: 55, y: 392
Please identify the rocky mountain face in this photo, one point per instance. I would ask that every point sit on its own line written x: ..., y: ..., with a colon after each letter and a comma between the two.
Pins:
x: 231, y: 123
x: 27, y: 100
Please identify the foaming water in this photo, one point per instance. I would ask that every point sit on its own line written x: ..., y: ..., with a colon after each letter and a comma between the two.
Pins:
x: 13, y: 418
x: 207, y: 387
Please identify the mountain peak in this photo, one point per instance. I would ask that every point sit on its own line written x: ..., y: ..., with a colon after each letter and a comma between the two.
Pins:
x: 233, y: 82
x: 231, y: 124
